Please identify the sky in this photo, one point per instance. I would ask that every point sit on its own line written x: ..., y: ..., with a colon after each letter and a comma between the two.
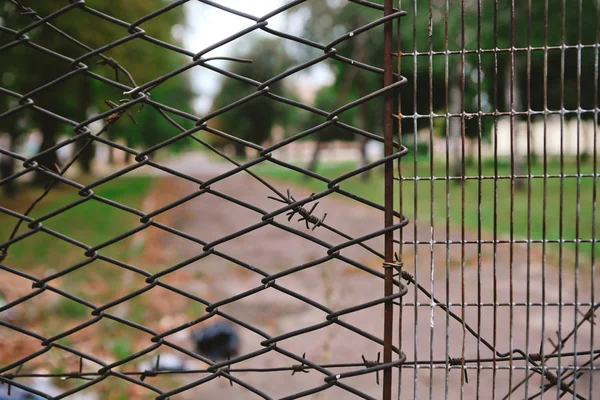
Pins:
x: 206, y: 25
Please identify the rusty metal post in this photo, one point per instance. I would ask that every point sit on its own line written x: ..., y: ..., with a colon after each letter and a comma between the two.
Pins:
x: 388, y: 79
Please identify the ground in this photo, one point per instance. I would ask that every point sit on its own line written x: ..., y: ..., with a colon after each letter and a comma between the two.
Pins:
x: 337, y: 285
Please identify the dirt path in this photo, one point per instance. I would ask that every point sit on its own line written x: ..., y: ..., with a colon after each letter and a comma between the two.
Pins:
x: 337, y: 285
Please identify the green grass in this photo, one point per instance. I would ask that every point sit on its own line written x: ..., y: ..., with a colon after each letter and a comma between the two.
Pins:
x: 417, y: 199
x: 91, y: 222
x: 122, y: 348
x: 41, y: 254
x: 70, y: 309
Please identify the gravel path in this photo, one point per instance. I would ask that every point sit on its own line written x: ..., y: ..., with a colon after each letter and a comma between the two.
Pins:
x: 337, y: 285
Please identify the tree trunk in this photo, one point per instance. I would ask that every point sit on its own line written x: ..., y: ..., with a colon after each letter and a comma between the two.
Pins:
x: 363, y: 111
x: 87, y: 155
x: 515, y: 102
x: 111, y: 155
x: 342, y: 95
x: 49, y: 127
x: 128, y: 155
x: 312, y: 166
x: 512, y: 98
x: 7, y: 168
x: 240, y: 150
x: 364, y: 159
x: 474, y: 151
x: 455, y: 125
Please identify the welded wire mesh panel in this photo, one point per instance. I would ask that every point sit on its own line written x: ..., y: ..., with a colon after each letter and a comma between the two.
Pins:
x: 500, y: 113
x: 220, y: 283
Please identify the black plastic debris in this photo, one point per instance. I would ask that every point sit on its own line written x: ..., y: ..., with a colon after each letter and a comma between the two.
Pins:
x: 218, y: 341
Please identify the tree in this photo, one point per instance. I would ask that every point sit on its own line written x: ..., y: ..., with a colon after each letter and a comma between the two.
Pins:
x: 254, y: 119
x: 486, y: 28
x: 330, y: 20
x: 74, y: 97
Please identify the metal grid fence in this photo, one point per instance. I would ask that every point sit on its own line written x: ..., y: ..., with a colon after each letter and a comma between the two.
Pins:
x: 439, y: 316
x: 499, y: 218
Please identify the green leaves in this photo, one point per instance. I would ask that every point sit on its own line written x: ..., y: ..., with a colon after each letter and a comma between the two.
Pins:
x: 254, y: 119
x: 74, y: 97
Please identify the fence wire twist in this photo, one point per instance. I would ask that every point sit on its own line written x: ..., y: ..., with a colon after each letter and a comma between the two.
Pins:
x: 395, y: 273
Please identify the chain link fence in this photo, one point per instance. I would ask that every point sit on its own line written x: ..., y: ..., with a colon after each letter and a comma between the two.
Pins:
x: 489, y: 292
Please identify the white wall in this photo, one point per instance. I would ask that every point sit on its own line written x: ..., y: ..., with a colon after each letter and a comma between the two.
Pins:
x: 553, y: 130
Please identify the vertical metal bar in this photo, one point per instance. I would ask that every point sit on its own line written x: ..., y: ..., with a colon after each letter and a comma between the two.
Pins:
x: 479, y: 196
x: 495, y: 224
x: 545, y: 190
x: 416, y: 221
x: 595, y: 187
x: 388, y: 79
x: 432, y: 203
x: 462, y: 195
x: 447, y: 188
x: 400, y: 183
x: 578, y: 195
x: 513, y: 184
x: 562, y: 194
x: 529, y: 189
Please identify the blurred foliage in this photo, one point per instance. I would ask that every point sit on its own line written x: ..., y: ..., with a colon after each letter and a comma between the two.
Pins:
x: 70, y: 309
x: 27, y: 68
x: 254, y: 120
x: 480, y: 210
x: 470, y: 24
x: 485, y: 73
